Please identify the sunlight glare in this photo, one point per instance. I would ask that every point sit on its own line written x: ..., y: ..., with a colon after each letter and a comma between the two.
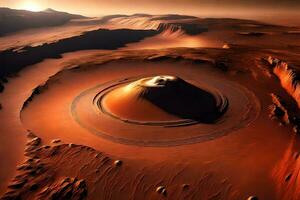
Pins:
x: 31, y: 6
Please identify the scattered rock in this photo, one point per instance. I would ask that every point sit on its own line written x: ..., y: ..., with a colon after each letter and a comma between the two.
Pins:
x: 161, y: 190
x: 54, y: 150
x: 55, y: 141
x: 185, y: 186
x: 29, y: 160
x: 226, y: 46
x: 287, y: 177
x: 34, y: 142
x: 68, y: 188
x: 97, y: 155
x: 272, y: 61
x: 71, y: 145
x: 18, y: 184
x: 118, y: 163
x: 24, y: 166
x: 164, y: 192
x: 46, y: 147
x: 252, y: 198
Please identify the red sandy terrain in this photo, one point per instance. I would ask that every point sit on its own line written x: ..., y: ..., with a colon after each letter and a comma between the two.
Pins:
x: 57, y: 143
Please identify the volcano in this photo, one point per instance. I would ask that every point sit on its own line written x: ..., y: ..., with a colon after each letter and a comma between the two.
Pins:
x: 163, y: 98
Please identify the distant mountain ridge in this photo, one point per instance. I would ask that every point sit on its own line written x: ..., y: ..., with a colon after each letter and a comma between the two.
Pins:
x: 12, y: 20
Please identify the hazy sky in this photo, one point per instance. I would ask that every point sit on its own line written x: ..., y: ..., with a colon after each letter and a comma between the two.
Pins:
x: 192, y: 7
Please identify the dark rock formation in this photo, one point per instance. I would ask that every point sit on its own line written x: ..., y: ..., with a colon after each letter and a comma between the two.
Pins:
x: 278, y: 109
x: 16, y: 20
x: 67, y: 188
x: 12, y: 61
x: 35, y: 180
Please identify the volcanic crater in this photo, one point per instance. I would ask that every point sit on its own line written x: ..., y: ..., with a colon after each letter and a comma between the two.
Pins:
x: 162, y: 99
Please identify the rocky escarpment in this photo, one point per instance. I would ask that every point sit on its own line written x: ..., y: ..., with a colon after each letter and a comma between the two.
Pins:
x: 288, y: 77
x: 187, y: 28
x: 281, y: 111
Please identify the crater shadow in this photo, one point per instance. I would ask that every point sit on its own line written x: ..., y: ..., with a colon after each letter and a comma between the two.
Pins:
x: 184, y: 100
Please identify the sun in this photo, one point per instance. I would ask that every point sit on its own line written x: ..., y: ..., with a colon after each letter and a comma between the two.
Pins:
x: 31, y: 6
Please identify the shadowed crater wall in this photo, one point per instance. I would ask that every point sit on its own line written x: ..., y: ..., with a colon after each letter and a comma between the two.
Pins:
x: 12, y: 61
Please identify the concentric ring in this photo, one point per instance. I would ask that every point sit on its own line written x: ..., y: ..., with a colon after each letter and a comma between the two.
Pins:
x: 221, y: 101
x: 243, y: 108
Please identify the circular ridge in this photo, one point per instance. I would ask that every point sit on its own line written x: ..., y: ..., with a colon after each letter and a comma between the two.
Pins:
x: 172, y: 133
x: 167, y: 100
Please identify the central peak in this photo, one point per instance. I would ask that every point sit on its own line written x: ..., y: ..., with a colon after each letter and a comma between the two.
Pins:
x: 160, y: 99
x: 158, y: 81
